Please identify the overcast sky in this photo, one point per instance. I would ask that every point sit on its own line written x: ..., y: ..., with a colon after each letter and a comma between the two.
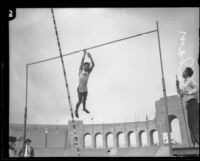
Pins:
x: 126, y: 80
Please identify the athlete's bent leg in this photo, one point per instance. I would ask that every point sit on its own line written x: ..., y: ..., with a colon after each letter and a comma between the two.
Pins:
x: 78, y: 104
x: 84, y: 102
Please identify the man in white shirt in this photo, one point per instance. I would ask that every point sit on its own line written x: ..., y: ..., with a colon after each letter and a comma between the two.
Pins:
x: 84, y: 72
x: 190, y: 92
x: 29, y: 151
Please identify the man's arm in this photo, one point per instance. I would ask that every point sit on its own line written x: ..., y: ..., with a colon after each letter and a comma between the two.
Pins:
x: 92, y: 61
x: 82, y: 61
x: 179, y: 91
x: 195, y: 88
x: 194, y: 91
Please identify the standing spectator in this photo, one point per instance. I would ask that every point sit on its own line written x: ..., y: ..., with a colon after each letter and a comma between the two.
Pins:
x: 29, y: 151
x: 189, y: 93
x: 12, y: 146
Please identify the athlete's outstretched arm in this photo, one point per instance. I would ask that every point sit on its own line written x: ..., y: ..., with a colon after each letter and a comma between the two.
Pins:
x: 92, y: 61
x: 83, y: 58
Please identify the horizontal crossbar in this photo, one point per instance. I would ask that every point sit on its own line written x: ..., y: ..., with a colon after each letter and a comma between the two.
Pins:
x: 74, y: 52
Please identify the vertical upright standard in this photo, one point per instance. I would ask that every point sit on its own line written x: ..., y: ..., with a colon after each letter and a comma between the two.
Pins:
x: 25, y: 112
x: 164, y: 94
x: 186, y: 124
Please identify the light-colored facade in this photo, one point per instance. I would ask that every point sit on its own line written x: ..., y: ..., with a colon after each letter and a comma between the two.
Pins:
x: 61, y: 136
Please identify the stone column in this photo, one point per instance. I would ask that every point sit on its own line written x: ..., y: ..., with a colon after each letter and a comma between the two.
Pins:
x: 93, y: 141
x: 137, y: 138
x: 104, y: 141
x: 148, y: 138
x: 160, y: 126
x: 115, y: 140
x: 126, y: 139
x: 160, y: 135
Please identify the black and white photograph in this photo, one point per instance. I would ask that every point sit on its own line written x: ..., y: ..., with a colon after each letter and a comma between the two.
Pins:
x: 104, y: 82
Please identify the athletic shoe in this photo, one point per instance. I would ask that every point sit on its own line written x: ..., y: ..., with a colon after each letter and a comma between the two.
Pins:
x: 86, y: 110
x: 76, y: 114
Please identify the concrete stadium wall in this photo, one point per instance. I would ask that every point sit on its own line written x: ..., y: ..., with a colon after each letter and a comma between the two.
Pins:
x: 62, y: 136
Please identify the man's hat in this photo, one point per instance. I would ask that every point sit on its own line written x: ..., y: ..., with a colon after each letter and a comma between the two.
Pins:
x: 12, y: 139
x: 27, y: 140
